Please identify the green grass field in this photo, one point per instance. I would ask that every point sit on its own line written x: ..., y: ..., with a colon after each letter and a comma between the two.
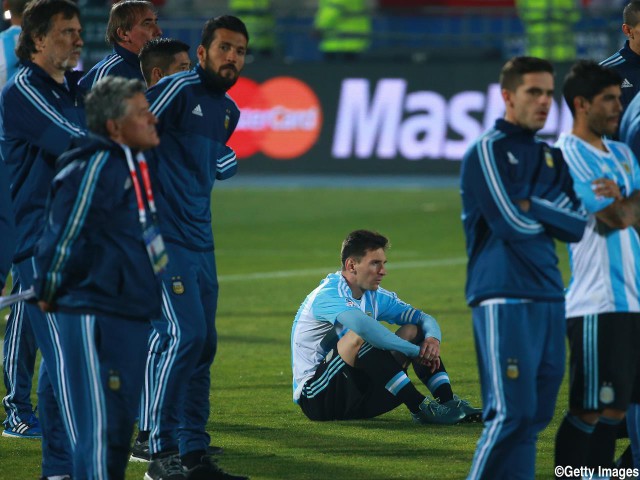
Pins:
x: 273, y: 247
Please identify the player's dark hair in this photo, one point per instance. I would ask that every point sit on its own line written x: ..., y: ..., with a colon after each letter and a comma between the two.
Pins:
x: 159, y: 52
x: 513, y: 71
x: 631, y: 13
x: 124, y: 15
x: 359, y: 242
x: 107, y: 100
x: 37, y: 20
x: 228, y: 22
x: 16, y: 7
x: 587, y: 79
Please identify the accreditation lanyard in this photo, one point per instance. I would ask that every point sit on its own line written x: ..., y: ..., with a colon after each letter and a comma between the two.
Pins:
x: 150, y: 233
x: 144, y: 173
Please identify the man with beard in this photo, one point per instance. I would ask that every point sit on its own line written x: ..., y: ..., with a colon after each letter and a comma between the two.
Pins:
x: 603, y: 310
x: 41, y: 111
x: 132, y: 23
x: 195, y: 120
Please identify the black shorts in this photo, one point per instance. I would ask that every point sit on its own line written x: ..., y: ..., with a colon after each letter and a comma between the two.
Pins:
x: 605, y: 361
x: 339, y: 391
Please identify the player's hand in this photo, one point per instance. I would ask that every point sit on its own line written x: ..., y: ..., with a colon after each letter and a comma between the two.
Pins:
x: 605, y: 187
x: 45, y: 306
x: 430, y: 353
x: 524, y: 205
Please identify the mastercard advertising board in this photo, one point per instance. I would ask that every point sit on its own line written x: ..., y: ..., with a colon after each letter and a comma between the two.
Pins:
x: 280, y: 118
x: 373, y: 119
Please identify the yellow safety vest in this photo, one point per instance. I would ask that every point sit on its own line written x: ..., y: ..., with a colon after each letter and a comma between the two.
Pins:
x: 345, y: 25
x: 549, y: 28
x: 258, y: 18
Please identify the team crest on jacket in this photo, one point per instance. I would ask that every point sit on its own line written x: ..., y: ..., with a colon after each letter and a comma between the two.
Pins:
x: 226, y: 122
x: 177, y: 286
x: 548, y: 158
x: 607, y: 394
x: 512, y: 368
x: 114, y: 380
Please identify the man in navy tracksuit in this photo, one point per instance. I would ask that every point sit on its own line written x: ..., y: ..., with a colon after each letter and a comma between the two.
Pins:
x: 7, y: 228
x: 626, y: 61
x: 517, y: 197
x: 195, y: 119
x: 99, y: 259
x: 40, y: 112
x: 132, y: 23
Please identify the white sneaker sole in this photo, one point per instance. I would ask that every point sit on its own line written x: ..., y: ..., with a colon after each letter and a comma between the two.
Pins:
x: 139, y: 460
x: 18, y: 435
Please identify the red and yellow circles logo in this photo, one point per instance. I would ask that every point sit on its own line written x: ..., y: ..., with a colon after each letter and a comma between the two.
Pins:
x: 280, y: 118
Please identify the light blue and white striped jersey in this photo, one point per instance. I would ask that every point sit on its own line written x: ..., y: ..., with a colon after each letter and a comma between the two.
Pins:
x: 315, y: 331
x: 605, y: 264
x: 8, y: 61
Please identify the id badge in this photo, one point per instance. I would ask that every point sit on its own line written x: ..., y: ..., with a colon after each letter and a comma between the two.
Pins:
x: 155, y: 248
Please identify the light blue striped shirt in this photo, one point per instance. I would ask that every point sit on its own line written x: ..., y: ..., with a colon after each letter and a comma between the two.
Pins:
x: 605, y: 264
x: 315, y: 330
x: 8, y: 61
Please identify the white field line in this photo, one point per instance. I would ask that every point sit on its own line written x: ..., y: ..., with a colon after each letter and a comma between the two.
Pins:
x: 443, y: 262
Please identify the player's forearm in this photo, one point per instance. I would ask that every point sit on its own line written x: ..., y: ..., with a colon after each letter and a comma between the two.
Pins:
x: 377, y: 335
x: 622, y: 213
x: 503, y: 216
x: 226, y: 165
x: 430, y: 327
x: 564, y: 224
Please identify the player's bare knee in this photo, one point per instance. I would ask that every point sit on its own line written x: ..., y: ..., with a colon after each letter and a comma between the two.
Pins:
x: 349, y: 346
x: 613, y: 414
x: 587, y: 416
x: 410, y: 333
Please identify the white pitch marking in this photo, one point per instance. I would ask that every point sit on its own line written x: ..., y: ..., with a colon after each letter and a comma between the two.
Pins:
x: 444, y: 262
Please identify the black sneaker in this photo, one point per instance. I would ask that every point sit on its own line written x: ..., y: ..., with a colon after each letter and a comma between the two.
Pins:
x: 208, y: 469
x: 166, y: 468
x: 214, y: 450
x: 471, y: 414
x: 140, y: 451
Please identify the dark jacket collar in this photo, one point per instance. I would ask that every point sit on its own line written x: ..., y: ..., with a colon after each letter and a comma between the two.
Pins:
x: 129, y: 57
x: 513, y: 129
x: 90, y: 143
x: 628, y: 54
x: 71, y: 77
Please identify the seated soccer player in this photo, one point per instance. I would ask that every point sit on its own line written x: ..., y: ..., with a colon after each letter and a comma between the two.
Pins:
x: 346, y: 365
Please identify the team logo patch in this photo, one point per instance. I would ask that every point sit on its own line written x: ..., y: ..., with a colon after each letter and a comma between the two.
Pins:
x: 177, y: 286
x: 114, y: 380
x: 512, y: 369
x: 350, y: 303
x: 548, y: 158
x: 607, y: 394
x: 226, y: 122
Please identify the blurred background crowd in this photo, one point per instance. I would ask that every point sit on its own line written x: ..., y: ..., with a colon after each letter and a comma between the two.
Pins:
x: 413, y: 31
